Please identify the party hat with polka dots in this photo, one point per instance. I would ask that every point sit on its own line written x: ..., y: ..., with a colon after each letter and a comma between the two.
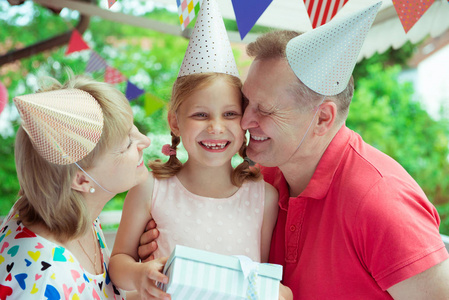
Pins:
x: 324, y: 58
x: 209, y: 48
x: 63, y: 125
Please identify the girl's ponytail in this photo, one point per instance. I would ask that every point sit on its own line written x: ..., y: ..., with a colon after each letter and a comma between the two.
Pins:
x: 244, y: 171
x: 172, y: 166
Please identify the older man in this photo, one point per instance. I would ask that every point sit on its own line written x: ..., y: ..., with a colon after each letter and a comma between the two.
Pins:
x: 352, y: 223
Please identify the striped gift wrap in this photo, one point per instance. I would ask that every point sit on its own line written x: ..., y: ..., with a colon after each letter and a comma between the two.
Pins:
x: 198, y: 274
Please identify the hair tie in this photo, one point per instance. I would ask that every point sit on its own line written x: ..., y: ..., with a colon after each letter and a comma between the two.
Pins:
x: 250, y: 162
x: 167, y: 150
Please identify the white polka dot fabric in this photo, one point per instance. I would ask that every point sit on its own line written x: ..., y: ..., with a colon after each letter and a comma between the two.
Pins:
x: 64, y: 126
x: 229, y: 226
x: 209, y: 48
x: 324, y: 58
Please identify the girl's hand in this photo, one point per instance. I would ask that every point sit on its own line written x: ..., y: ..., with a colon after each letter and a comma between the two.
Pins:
x: 149, y: 273
x: 285, y: 293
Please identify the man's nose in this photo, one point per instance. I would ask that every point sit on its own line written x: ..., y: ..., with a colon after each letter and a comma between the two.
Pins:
x: 249, y: 119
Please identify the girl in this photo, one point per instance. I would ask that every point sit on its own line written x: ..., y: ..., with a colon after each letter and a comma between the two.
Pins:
x: 203, y: 203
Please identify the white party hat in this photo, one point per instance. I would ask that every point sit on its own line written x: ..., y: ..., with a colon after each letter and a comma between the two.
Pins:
x: 209, y: 48
x: 64, y: 125
x: 324, y: 58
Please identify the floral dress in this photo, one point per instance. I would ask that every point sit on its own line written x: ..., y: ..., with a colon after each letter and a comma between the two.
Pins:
x: 32, y: 267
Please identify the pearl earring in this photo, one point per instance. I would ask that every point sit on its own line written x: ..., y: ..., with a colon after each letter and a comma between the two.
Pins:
x: 91, y: 190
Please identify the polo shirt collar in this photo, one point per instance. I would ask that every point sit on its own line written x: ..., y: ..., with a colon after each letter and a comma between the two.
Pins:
x: 322, y: 178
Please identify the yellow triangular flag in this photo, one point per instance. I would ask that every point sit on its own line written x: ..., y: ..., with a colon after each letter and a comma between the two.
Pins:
x: 152, y: 103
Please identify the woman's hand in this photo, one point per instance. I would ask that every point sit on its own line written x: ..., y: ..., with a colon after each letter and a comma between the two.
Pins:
x: 285, y: 293
x: 149, y: 273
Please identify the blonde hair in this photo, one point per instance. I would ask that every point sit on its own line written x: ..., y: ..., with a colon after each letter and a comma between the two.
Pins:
x: 46, y: 196
x: 271, y: 45
x: 182, y: 88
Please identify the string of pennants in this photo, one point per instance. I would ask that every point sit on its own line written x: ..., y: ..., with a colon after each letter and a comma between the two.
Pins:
x: 320, y: 12
x: 111, y: 75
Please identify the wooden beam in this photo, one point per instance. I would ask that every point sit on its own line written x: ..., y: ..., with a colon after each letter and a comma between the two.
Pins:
x: 90, y: 9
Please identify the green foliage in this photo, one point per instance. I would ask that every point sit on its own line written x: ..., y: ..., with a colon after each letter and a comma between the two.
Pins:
x: 9, y: 185
x: 443, y: 211
x: 388, y: 58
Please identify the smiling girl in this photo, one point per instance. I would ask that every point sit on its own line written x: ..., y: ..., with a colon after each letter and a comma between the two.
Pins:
x: 204, y: 203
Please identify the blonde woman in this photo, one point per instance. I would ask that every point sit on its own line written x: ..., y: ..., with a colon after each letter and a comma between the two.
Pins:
x: 77, y: 148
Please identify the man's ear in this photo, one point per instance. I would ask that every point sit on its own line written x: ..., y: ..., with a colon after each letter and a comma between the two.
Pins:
x: 173, y: 122
x: 81, y: 183
x: 327, y: 115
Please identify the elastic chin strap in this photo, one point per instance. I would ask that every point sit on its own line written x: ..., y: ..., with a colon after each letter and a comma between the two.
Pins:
x: 310, y: 125
x: 92, y: 179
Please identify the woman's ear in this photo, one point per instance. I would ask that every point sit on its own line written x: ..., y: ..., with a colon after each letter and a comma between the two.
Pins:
x: 327, y: 115
x: 81, y: 183
x: 173, y: 122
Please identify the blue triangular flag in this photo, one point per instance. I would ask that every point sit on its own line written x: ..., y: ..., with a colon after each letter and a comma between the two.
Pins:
x: 247, y: 12
x: 132, y: 91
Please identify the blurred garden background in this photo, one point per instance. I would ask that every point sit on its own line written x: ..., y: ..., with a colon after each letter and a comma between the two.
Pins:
x: 386, y: 109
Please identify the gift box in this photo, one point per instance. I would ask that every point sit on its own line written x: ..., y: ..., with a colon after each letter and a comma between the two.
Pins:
x: 198, y: 274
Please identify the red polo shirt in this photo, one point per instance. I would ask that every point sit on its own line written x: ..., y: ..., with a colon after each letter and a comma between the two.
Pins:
x: 361, y: 225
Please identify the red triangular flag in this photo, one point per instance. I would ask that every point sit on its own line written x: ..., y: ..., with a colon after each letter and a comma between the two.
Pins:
x: 322, y: 11
x: 111, y: 2
x: 76, y: 43
x: 113, y: 75
x: 410, y: 11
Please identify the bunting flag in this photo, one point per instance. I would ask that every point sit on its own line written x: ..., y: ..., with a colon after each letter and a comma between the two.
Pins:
x: 247, y: 12
x: 95, y: 63
x: 410, y: 11
x: 322, y: 11
x: 76, y: 43
x: 111, y: 2
x: 152, y: 103
x: 113, y: 76
x: 132, y: 91
x: 187, y: 10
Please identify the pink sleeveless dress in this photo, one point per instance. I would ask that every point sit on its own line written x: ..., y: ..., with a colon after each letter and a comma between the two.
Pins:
x: 230, y: 226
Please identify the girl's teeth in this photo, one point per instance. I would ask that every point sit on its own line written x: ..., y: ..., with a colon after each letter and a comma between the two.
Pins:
x: 215, y: 146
